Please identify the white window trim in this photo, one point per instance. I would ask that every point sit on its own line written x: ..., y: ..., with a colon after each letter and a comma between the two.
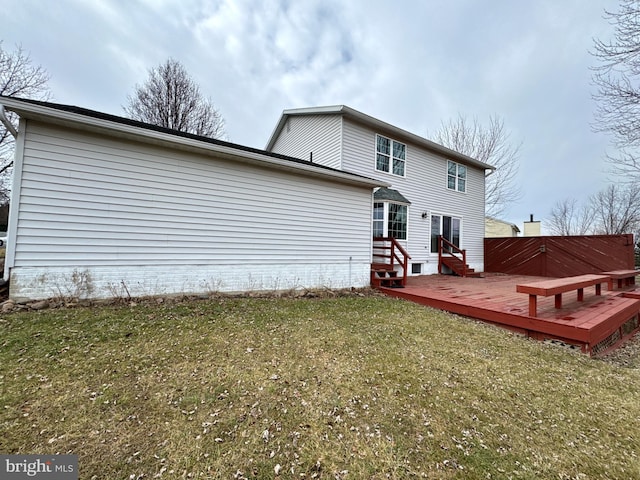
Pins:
x: 385, y: 219
x: 375, y: 156
x: 466, y: 178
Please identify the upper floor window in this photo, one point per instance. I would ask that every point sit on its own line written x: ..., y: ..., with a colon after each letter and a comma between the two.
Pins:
x: 456, y: 176
x: 390, y: 155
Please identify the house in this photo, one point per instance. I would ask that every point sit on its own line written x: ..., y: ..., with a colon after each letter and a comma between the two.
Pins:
x: 432, y: 191
x: 532, y: 227
x: 103, y: 206
x: 494, y: 228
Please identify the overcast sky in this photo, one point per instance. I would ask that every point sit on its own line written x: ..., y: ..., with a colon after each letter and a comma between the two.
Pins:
x: 413, y: 64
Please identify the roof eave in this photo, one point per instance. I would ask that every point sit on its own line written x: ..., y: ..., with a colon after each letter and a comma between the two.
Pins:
x: 363, y: 118
x: 44, y: 113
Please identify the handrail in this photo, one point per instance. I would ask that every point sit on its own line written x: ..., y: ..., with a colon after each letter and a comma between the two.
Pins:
x: 395, y: 245
x: 442, y: 242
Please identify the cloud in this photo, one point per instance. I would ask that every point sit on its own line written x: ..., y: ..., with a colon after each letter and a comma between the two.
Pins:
x: 412, y: 64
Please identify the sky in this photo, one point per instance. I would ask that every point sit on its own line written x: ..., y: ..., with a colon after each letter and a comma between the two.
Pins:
x: 414, y: 64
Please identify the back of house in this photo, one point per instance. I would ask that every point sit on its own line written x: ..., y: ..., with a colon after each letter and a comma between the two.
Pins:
x: 103, y: 206
x: 433, y: 191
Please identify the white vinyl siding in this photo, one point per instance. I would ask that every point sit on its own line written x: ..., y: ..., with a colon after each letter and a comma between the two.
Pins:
x: 97, y: 203
x: 317, y: 134
x: 423, y: 185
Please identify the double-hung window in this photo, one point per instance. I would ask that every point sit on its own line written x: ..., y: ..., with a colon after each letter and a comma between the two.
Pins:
x: 390, y: 220
x: 456, y: 176
x: 390, y: 156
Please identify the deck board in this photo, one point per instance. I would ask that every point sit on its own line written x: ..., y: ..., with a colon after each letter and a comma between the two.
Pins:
x: 494, y: 299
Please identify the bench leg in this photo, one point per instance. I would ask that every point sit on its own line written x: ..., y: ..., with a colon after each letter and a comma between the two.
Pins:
x: 558, y: 300
x: 598, y: 289
x: 610, y: 284
x: 533, y: 305
x: 581, y: 294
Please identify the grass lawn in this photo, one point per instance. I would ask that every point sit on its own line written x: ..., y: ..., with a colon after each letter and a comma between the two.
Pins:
x: 334, y: 388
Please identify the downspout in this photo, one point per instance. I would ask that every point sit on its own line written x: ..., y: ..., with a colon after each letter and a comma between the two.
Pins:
x: 12, y: 130
x: 7, y: 124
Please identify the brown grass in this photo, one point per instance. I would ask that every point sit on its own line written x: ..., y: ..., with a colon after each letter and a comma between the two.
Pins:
x: 308, y: 388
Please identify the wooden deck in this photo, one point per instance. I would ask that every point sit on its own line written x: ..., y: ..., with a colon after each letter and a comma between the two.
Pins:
x: 596, y: 324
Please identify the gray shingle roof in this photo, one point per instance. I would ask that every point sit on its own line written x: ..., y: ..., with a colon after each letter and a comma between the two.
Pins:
x: 389, y: 195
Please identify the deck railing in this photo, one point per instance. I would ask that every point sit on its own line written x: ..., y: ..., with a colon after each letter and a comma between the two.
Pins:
x: 392, y: 252
x: 448, y: 249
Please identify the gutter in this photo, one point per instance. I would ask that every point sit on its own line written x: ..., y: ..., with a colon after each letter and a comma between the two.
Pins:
x: 382, y: 127
x: 227, y: 150
x: 5, y: 121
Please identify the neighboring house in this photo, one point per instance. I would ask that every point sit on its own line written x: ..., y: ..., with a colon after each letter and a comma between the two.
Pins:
x: 494, y: 228
x: 433, y: 191
x: 103, y: 206
x: 532, y: 227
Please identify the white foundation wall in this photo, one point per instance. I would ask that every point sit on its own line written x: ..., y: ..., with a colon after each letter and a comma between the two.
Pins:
x: 141, y: 281
x: 97, y: 216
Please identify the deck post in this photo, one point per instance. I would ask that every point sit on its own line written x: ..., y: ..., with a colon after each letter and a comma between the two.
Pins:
x: 558, y: 303
x: 533, y: 305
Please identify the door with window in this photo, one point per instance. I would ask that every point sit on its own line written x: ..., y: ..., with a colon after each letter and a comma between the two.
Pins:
x: 447, y: 226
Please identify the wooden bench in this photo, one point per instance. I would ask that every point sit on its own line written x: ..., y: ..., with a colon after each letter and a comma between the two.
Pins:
x: 558, y: 286
x: 626, y: 276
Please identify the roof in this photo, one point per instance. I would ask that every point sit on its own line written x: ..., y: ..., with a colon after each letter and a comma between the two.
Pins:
x: 512, y: 225
x: 91, y: 120
x: 396, y: 132
x: 390, y: 195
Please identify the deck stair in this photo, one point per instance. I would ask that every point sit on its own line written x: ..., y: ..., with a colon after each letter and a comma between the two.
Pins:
x: 390, y: 263
x: 458, y: 267
x: 383, y: 275
x: 455, y: 259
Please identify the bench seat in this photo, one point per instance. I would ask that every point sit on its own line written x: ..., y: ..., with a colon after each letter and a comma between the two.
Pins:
x: 558, y: 286
x: 628, y: 277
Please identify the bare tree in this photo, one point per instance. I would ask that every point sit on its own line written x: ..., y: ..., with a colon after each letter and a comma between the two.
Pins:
x: 612, y: 211
x: 617, y: 77
x: 19, y: 77
x: 171, y: 99
x: 569, y: 218
x: 616, y: 209
x: 490, y: 145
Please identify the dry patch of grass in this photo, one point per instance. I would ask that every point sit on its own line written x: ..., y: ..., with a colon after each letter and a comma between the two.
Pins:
x: 308, y: 388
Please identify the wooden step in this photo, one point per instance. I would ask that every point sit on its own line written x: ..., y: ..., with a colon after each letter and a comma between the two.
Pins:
x: 383, y: 275
x: 381, y: 267
x: 457, y: 267
x: 389, y: 282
